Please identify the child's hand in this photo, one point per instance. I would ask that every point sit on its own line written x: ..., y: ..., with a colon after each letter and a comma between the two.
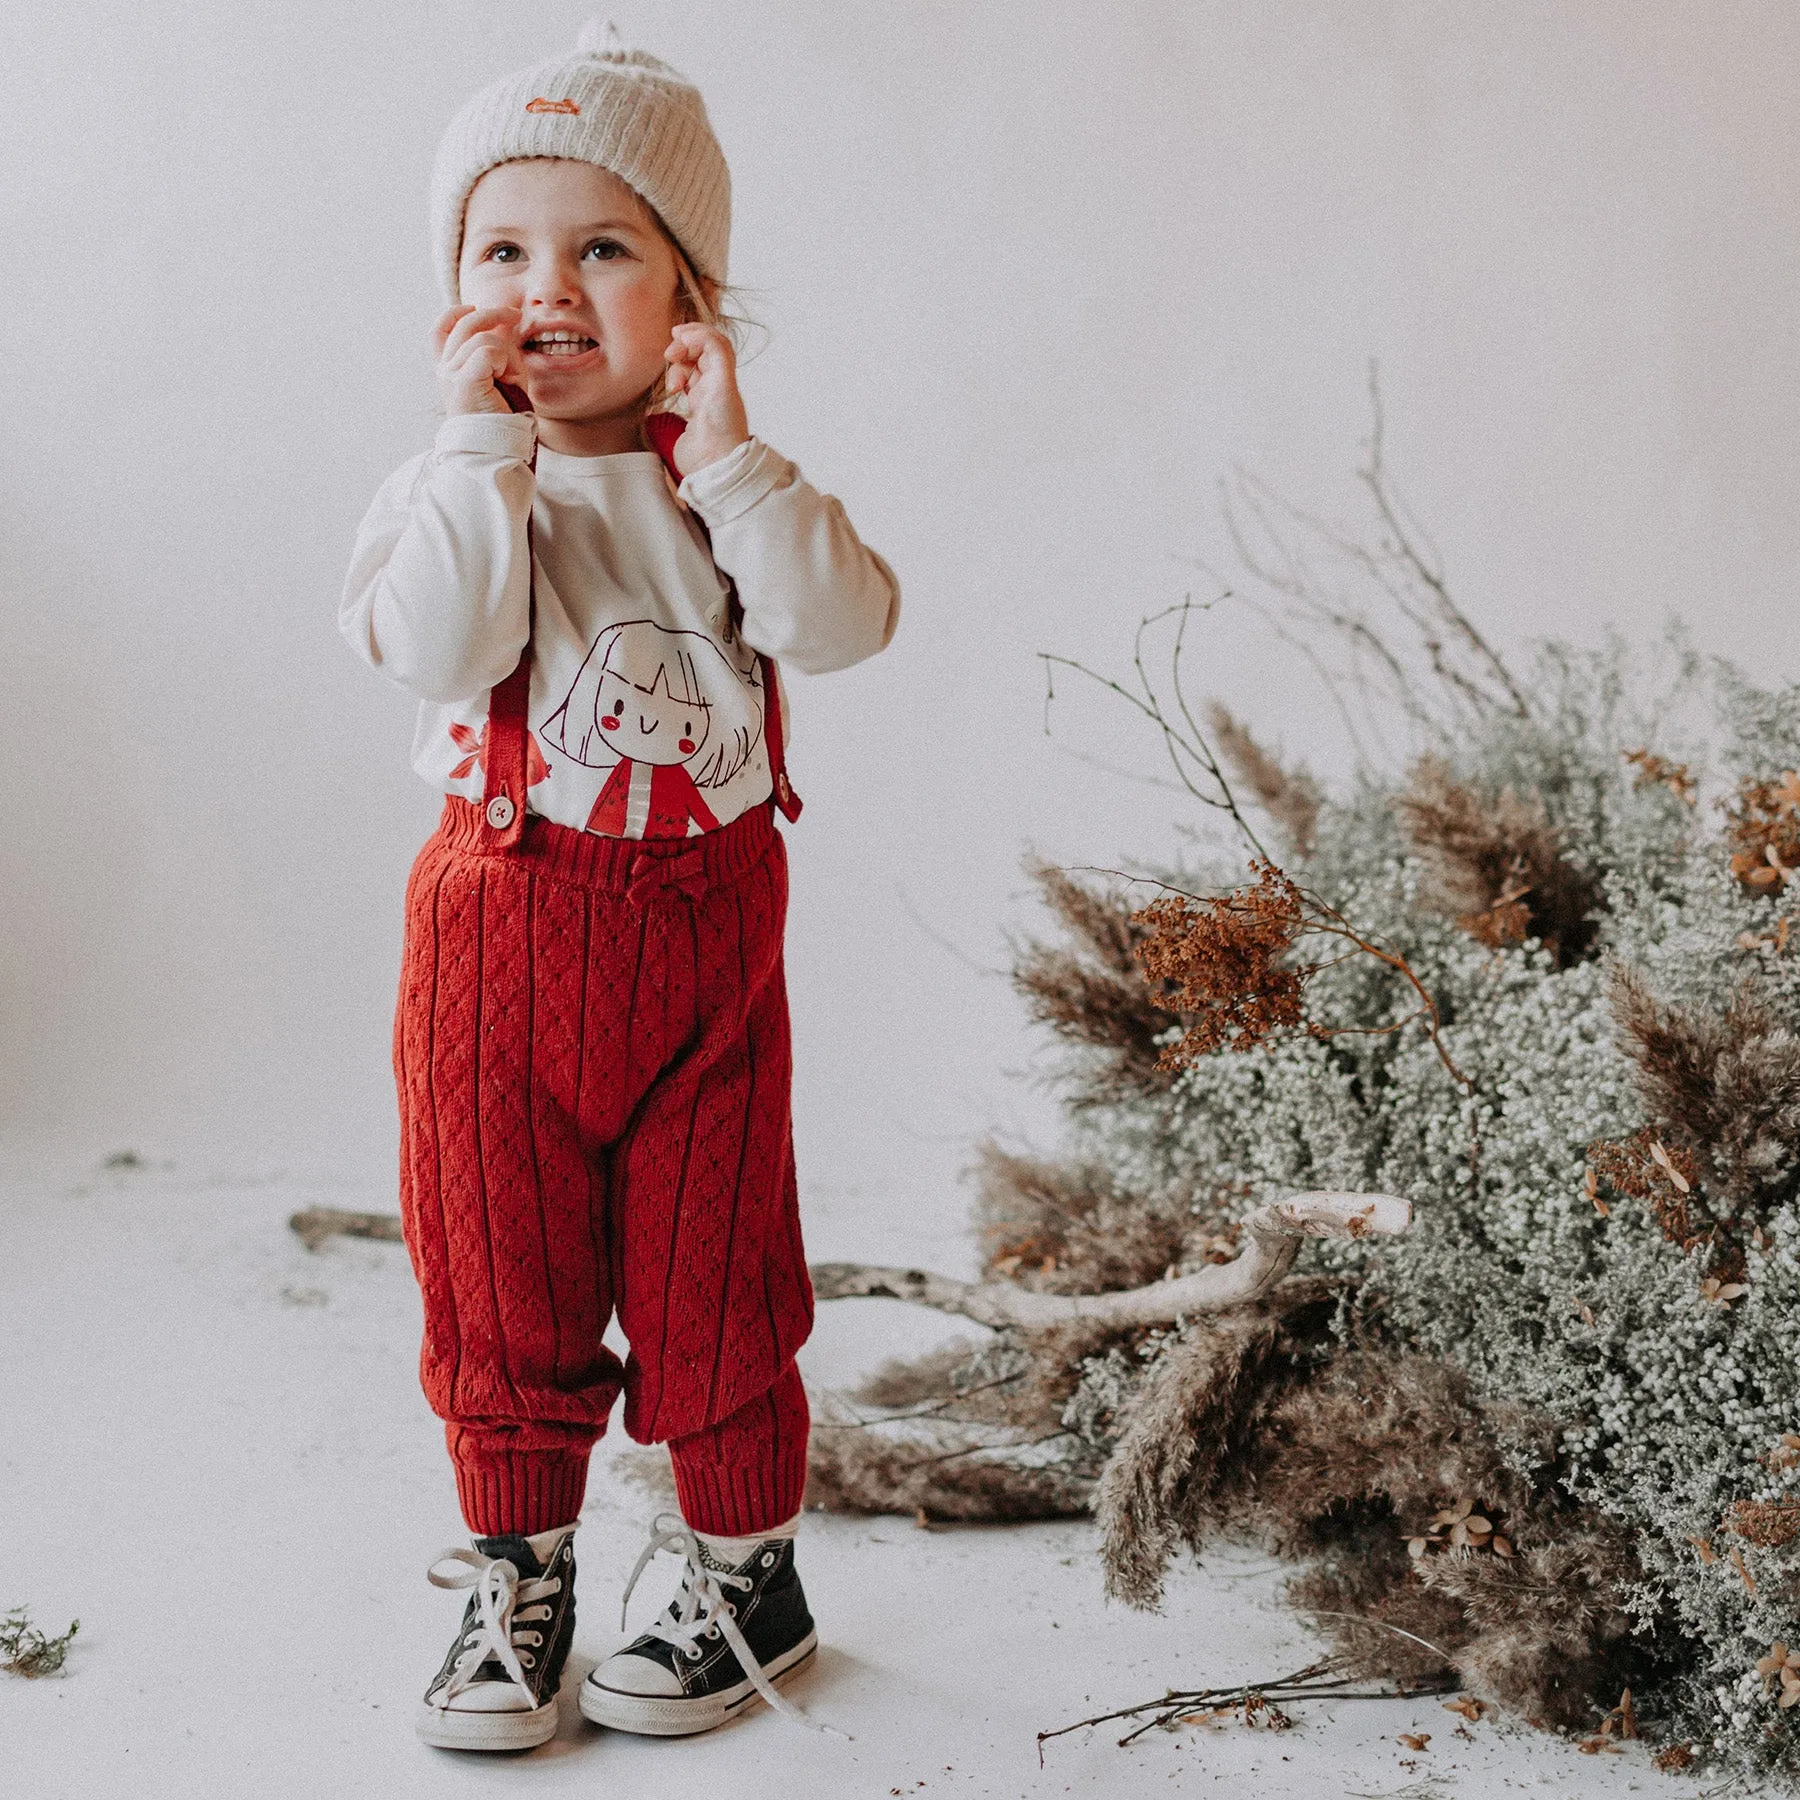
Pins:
x: 477, y: 346
x: 703, y: 366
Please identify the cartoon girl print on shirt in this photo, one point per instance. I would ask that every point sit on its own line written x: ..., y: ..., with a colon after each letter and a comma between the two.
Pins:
x: 669, y: 715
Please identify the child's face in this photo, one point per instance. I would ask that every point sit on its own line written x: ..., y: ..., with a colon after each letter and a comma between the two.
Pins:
x: 591, y: 273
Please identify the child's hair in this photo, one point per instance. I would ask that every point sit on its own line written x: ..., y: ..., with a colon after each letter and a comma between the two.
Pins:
x: 708, y: 303
x: 699, y: 302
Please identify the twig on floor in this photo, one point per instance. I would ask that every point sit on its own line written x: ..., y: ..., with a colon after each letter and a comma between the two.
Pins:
x: 1317, y: 1681
x: 317, y: 1223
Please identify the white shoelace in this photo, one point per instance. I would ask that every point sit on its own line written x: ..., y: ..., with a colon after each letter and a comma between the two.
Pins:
x: 702, y: 1611
x: 504, y: 1602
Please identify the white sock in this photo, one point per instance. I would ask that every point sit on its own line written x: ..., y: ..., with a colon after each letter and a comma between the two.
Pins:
x: 732, y: 1551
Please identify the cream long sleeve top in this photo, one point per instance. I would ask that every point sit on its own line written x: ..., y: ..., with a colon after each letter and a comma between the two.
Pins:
x: 642, y: 680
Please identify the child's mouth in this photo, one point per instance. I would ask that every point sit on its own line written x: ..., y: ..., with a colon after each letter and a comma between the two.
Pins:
x: 559, y: 344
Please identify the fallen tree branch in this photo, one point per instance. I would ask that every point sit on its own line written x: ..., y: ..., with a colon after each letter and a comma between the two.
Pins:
x: 1273, y: 1234
x: 1272, y: 1240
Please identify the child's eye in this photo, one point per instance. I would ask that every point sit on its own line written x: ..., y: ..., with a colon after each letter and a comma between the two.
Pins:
x: 503, y: 253
x: 605, y: 250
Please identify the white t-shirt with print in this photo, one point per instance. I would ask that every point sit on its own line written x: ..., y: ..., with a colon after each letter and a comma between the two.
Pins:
x: 640, y: 681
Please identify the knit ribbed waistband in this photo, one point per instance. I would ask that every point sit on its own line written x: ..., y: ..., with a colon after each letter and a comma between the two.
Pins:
x: 617, y: 865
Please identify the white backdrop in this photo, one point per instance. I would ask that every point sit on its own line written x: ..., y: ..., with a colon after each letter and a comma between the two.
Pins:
x: 1035, y: 274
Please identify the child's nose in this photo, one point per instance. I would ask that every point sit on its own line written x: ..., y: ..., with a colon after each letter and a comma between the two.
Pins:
x: 554, y: 283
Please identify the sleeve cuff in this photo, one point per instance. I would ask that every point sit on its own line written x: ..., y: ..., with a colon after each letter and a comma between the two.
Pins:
x: 488, y: 434
x: 727, y: 489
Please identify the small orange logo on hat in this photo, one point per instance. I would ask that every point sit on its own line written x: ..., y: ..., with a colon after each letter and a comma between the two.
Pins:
x: 540, y: 104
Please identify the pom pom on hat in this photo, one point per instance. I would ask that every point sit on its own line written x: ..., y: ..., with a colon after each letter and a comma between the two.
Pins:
x: 608, y: 104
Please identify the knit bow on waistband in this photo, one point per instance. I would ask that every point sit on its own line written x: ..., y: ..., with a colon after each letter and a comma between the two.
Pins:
x: 654, y: 876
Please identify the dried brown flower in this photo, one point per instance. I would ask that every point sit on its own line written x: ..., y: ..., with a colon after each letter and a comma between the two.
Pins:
x: 1673, y: 1759
x: 1762, y: 830
x: 1223, y: 963
x: 1658, y: 771
x: 1766, y: 1523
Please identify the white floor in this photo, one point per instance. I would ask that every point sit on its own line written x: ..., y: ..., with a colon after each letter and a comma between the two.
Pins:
x: 212, y: 1450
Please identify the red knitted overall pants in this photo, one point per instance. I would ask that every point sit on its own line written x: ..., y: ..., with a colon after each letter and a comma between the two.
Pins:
x: 593, y: 1064
x: 592, y: 1056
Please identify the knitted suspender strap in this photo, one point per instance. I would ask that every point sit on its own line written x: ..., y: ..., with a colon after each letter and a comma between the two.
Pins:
x: 662, y: 429
x: 503, y: 792
x: 504, y: 744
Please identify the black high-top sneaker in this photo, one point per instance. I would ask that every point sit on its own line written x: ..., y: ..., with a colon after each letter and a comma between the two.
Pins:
x: 730, y: 1636
x: 497, y: 1688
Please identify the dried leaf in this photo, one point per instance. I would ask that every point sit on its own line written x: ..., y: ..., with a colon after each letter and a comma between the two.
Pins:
x: 1658, y: 771
x: 1736, y: 1559
x: 1678, y: 1180
x: 1415, y: 1740
x: 1627, y: 1715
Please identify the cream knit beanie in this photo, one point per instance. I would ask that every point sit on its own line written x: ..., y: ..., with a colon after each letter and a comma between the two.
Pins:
x: 606, y: 104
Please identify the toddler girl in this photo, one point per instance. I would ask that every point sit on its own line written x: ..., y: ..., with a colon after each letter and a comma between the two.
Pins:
x: 591, y: 1048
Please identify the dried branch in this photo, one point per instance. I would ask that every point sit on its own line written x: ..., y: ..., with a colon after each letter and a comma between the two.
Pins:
x: 1272, y: 1240
x: 1409, y: 545
x: 1273, y: 1234
x: 1191, y: 754
x: 1403, y: 642
x: 1317, y: 1681
x: 318, y: 1223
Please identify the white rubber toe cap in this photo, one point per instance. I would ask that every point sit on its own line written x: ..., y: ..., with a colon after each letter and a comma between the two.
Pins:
x: 637, y: 1675
x: 491, y: 1697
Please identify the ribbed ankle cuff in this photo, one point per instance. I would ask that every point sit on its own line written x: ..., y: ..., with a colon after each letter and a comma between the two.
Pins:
x: 736, y: 1501
x: 521, y: 1493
